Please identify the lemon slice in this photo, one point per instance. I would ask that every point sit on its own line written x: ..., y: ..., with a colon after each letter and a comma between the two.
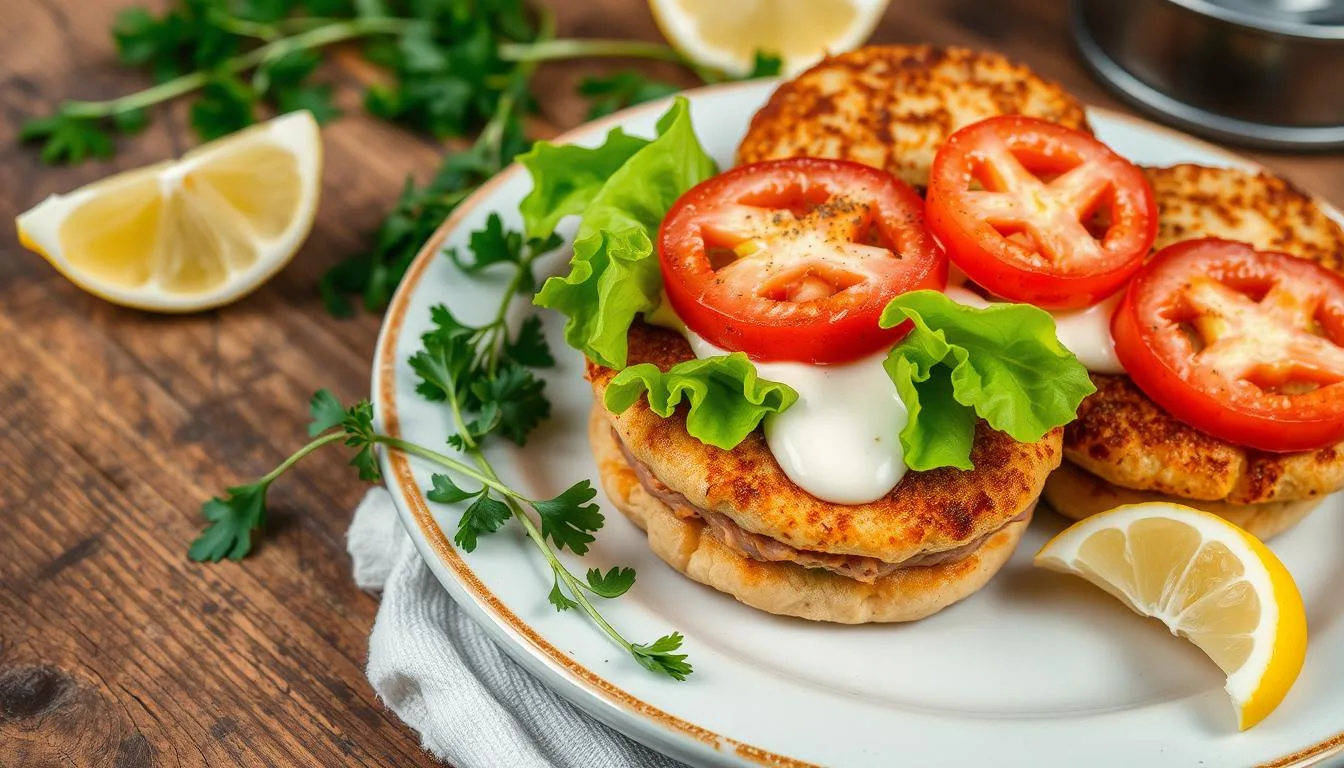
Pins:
x: 1208, y: 581
x: 190, y: 234
x: 727, y: 34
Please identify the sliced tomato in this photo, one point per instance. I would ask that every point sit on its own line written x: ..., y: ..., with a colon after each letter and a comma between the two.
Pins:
x: 1244, y: 345
x: 795, y: 259
x: 1039, y: 213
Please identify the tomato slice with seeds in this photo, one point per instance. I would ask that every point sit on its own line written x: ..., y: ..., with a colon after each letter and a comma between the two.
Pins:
x: 1040, y: 213
x: 795, y: 259
x: 1245, y: 345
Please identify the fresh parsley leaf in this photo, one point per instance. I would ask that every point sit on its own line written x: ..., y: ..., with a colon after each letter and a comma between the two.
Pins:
x: 1003, y: 364
x: 288, y: 70
x: 485, y: 516
x: 316, y: 99
x: 621, y: 90
x: 557, y: 597
x: 140, y: 38
x: 327, y: 412
x: 131, y: 120
x: 727, y: 398
x: 486, y: 420
x: 226, y: 105
x: 359, y: 431
x: 570, y: 519
x: 614, y: 274
x: 446, y: 325
x: 67, y: 139
x: 284, y: 80
x: 232, y: 520
x: 765, y: 65
x: 442, y: 362
x: 333, y: 9
x: 658, y: 656
x: 264, y: 11
x: 518, y: 395
x: 491, y: 245
x: 528, y: 347
x: 445, y: 491
x: 613, y: 583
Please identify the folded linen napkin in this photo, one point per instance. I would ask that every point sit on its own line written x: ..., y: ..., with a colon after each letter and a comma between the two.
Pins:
x: 438, y: 671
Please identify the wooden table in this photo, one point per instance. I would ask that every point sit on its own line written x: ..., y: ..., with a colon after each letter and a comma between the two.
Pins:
x: 114, y: 649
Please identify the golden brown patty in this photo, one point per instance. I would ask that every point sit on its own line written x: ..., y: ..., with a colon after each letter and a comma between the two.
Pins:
x: 1076, y: 493
x: 1257, y: 208
x: 785, y: 588
x: 1129, y: 440
x: 893, y: 106
x: 927, y: 512
x: 1126, y: 438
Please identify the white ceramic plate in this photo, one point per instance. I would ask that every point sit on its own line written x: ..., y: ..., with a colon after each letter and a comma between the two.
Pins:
x: 1036, y: 669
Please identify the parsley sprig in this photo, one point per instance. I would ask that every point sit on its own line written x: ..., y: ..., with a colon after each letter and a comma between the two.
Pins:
x: 485, y: 376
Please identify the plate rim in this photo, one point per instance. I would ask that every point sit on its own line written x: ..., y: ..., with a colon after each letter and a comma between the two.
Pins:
x: 684, y: 738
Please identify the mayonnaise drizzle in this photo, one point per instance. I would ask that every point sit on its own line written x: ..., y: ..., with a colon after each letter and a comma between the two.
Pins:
x: 1087, y: 334
x: 841, y: 440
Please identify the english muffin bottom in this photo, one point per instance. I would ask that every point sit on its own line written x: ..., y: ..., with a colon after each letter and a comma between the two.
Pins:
x: 784, y: 588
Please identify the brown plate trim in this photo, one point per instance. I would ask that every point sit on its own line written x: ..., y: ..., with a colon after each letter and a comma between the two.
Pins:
x: 385, y: 368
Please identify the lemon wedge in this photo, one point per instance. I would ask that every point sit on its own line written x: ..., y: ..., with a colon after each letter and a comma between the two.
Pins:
x: 1208, y: 581
x: 727, y: 35
x: 190, y: 234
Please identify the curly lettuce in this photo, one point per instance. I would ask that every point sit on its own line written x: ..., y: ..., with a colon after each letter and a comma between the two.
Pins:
x: 726, y: 398
x: 1003, y: 364
x: 623, y: 189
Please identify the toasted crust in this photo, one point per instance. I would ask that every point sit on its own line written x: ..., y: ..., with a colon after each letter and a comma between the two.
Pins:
x: 784, y: 588
x: 893, y: 106
x: 1257, y: 208
x: 1076, y: 494
x: 927, y: 512
x: 1129, y: 440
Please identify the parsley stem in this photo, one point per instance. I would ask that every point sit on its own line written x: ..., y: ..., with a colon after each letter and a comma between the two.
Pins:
x: 492, y: 135
x: 576, y: 588
x: 491, y: 480
x: 557, y: 567
x: 298, y: 455
x: 244, y: 28
x: 554, y: 50
x: 313, y: 38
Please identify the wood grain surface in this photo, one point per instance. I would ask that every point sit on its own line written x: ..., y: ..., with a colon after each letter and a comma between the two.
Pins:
x: 115, y: 425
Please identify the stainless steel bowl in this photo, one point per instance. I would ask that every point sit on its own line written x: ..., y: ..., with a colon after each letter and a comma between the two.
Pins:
x: 1267, y: 73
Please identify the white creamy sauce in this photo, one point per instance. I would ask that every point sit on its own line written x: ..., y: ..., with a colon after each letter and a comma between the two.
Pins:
x: 841, y: 440
x: 1087, y: 334
x: 1084, y: 332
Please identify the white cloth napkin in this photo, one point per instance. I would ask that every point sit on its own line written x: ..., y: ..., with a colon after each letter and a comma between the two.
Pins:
x: 472, y: 705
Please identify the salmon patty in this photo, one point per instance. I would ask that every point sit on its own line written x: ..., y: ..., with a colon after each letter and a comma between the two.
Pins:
x: 893, y: 106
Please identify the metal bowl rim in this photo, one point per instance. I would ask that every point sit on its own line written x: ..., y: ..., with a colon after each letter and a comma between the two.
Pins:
x: 1295, y: 30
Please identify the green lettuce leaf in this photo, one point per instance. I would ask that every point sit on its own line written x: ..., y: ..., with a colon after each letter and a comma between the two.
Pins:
x: 727, y: 399
x: 566, y: 178
x: 614, y: 273
x: 1002, y: 363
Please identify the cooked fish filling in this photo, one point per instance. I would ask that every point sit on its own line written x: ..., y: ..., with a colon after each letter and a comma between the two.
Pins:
x: 765, y: 549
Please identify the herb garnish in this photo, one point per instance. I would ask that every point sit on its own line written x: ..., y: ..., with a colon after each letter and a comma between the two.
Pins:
x: 485, y: 376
